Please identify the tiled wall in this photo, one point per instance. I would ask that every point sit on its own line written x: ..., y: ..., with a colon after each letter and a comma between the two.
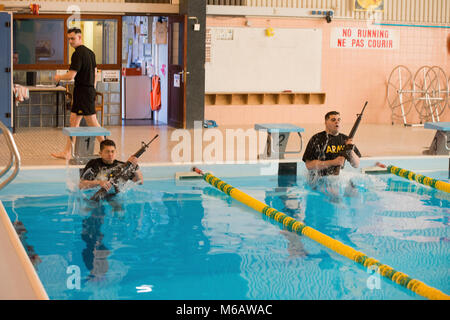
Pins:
x: 39, y: 110
x: 349, y: 76
x: 111, y: 94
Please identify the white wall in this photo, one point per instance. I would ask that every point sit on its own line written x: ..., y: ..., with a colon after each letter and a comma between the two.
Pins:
x: 160, y: 60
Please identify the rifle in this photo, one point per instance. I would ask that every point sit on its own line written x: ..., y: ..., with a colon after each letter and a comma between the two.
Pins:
x: 349, y: 147
x: 115, y: 177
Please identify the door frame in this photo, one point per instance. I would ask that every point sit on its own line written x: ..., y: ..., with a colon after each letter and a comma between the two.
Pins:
x: 183, y: 19
x: 8, y: 112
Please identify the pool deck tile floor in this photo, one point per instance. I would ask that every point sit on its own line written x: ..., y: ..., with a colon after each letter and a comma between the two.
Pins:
x: 36, y: 144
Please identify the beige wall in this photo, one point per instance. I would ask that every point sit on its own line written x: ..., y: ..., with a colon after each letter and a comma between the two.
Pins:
x: 349, y: 76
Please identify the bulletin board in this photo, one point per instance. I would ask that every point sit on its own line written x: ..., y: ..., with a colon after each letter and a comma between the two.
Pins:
x: 247, y: 60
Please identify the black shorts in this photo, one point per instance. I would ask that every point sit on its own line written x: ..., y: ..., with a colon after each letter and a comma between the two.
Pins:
x: 83, y: 100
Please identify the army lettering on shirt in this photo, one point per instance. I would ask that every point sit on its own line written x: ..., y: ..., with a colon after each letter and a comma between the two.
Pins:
x: 324, y: 147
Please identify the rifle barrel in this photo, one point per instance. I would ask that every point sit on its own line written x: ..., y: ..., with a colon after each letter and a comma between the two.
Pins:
x: 144, y: 147
x: 102, y: 192
x: 358, y: 120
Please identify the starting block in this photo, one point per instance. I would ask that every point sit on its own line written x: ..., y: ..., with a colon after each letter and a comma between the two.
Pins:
x: 83, y: 148
x: 278, y: 132
x: 441, y: 142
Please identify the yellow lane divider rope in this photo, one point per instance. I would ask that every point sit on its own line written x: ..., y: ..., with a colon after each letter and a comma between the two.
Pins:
x: 427, y: 181
x: 300, y: 228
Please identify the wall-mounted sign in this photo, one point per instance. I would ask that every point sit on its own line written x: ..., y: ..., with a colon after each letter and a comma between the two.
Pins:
x: 110, y: 76
x: 176, y: 80
x: 161, y: 33
x: 224, y: 34
x: 364, y: 38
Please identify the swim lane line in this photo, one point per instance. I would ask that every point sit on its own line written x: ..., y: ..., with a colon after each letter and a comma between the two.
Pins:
x: 427, y: 181
x: 293, y: 225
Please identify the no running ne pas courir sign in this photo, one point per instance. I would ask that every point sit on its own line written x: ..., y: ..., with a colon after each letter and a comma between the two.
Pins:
x: 364, y: 38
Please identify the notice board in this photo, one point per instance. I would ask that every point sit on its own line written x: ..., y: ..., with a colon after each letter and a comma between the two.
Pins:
x: 248, y: 60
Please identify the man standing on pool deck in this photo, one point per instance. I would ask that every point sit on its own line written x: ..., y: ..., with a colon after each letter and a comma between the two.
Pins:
x: 83, y: 69
x: 322, y: 152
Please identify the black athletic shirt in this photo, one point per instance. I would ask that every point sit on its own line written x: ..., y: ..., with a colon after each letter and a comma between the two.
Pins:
x: 96, y: 169
x: 83, y: 62
x: 323, y: 146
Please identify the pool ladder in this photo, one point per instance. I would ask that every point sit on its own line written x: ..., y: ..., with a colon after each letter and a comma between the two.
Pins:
x: 14, y: 158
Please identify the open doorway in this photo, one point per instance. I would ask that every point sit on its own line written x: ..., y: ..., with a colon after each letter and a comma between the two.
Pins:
x: 145, y: 51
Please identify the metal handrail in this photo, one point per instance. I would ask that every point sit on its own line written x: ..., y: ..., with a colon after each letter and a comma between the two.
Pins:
x: 13, y: 159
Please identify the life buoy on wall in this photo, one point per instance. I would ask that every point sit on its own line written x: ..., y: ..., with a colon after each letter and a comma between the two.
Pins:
x: 155, y: 94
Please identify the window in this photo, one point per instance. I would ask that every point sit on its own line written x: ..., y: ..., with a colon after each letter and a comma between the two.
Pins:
x: 39, y: 41
x: 99, y: 35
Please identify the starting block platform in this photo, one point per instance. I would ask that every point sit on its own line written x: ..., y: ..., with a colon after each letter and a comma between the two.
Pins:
x: 441, y: 141
x: 83, y: 148
x: 277, y: 138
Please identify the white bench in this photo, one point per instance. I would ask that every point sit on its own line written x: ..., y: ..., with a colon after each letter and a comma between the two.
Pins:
x: 83, y: 148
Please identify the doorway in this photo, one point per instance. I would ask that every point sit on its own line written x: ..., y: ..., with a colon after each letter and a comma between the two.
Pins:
x: 137, y: 62
x: 153, y: 70
x: 153, y: 65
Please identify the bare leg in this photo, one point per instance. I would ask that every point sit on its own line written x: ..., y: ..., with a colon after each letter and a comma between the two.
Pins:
x: 65, y: 154
x: 93, y: 122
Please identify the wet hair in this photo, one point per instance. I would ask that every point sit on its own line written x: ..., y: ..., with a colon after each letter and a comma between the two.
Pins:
x: 74, y: 29
x: 106, y: 143
x: 331, y: 113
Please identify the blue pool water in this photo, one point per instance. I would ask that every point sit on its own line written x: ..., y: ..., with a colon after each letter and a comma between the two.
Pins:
x: 172, y: 240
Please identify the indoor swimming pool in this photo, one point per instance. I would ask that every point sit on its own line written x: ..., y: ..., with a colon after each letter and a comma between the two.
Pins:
x: 171, y: 239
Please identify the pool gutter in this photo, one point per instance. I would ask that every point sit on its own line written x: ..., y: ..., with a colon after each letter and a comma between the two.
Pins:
x: 168, y: 170
x: 18, y: 278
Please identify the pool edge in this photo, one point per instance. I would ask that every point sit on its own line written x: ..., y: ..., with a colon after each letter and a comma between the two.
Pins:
x: 30, y: 286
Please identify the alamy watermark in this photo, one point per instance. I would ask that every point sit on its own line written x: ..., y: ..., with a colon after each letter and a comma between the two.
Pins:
x: 74, y: 279
x: 231, y: 146
x: 74, y: 19
x: 374, y: 280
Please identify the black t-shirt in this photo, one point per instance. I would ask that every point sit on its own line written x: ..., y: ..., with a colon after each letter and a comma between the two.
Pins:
x: 96, y: 169
x: 323, y: 146
x: 83, y: 62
